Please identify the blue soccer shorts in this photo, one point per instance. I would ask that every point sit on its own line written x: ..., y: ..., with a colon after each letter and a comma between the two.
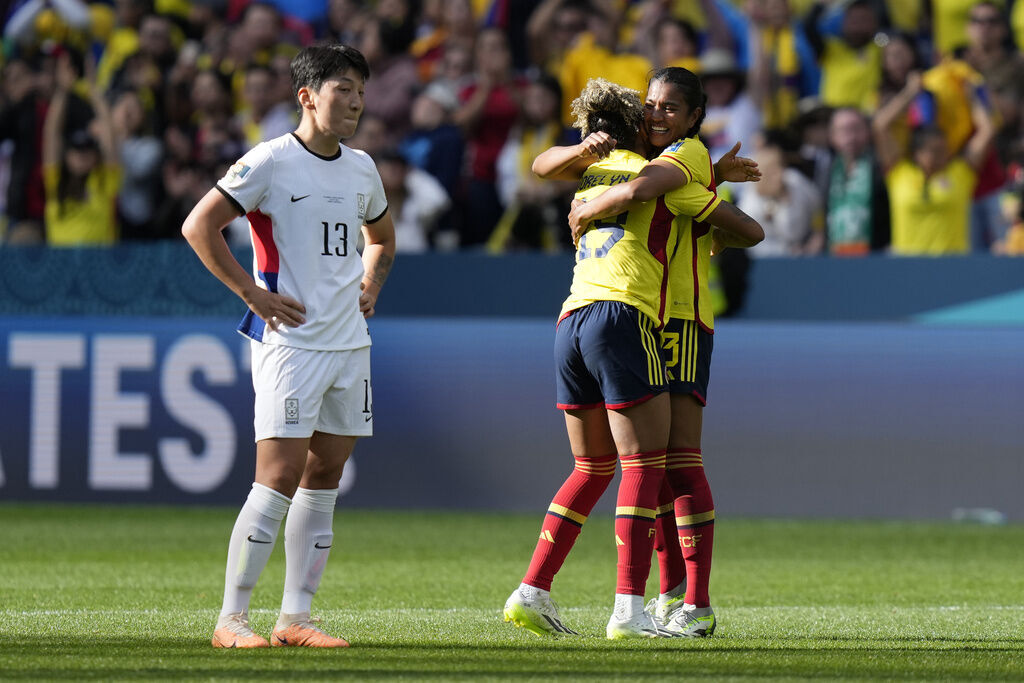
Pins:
x: 607, y: 354
x: 687, y: 350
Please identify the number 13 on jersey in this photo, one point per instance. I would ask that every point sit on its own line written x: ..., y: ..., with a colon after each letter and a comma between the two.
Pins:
x: 335, y: 240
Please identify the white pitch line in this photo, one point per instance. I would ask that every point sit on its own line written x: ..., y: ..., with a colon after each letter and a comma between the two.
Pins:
x: 416, y: 611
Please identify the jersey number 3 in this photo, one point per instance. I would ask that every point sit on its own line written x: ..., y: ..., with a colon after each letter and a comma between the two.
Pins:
x: 339, y: 235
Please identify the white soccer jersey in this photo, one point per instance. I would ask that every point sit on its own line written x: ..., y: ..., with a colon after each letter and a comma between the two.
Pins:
x: 305, y: 212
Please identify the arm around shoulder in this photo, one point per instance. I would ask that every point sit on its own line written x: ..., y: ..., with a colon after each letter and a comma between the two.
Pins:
x: 657, y: 178
x: 568, y: 162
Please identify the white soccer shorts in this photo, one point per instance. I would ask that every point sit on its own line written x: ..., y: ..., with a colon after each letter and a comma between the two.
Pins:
x: 299, y: 391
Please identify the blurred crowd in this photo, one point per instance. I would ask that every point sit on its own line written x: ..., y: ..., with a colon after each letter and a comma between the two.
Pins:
x: 891, y: 126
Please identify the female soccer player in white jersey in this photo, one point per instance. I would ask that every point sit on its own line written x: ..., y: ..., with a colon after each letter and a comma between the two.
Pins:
x: 307, y: 197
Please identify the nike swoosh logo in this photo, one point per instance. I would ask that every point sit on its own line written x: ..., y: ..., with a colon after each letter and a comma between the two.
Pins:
x: 368, y: 418
x: 321, y: 547
x: 253, y: 540
x: 295, y: 199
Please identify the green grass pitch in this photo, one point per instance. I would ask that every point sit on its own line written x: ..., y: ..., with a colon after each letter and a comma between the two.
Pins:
x: 128, y: 593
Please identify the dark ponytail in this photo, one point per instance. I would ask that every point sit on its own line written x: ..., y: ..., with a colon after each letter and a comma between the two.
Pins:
x: 689, y: 86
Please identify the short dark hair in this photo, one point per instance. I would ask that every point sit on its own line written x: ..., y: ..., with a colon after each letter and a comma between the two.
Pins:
x: 317, y: 63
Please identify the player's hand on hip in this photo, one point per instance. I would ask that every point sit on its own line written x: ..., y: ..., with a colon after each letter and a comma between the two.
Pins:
x: 368, y: 298
x: 276, y: 309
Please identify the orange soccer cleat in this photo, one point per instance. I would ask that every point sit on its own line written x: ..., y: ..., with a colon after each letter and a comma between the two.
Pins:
x: 233, y: 631
x: 296, y: 630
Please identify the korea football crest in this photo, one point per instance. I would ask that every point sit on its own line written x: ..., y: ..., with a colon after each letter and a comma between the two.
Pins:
x: 291, y: 411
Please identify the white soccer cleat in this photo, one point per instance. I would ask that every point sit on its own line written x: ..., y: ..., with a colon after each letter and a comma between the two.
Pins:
x: 661, y: 612
x: 536, y: 613
x: 639, y: 626
x: 691, y: 622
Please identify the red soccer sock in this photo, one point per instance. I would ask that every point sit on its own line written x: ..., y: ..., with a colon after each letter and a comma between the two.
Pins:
x: 695, y: 519
x: 565, y: 517
x: 671, y: 569
x: 635, y: 511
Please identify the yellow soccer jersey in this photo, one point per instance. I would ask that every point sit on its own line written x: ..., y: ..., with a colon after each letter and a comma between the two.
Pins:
x: 850, y: 77
x: 689, y: 283
x: 930, y: 216
x: 586, y: 59
x: 625, y: 258
x: 89, y: 221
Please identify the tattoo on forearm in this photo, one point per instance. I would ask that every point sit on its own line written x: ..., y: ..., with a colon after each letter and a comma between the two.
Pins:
x: 379, y: 269
x: 731, y: 208
x: 727, y: 236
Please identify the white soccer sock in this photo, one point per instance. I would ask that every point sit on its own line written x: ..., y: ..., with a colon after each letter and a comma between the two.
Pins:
x: 252, y: 541
x: 307, y: 543
x: 628, y: 606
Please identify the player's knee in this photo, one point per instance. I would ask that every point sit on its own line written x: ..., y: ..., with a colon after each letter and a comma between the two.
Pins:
x: 284, y: 481
x: 320, y: 474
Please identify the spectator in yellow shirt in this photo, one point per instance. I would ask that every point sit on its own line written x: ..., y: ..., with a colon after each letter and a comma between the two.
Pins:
x: 553, y: 27
x: 851, y: 62
x: 778, y: 64
x: 949, y: 23
x: 596, y: 55
x: 81, y: 178
x: 930, y: 190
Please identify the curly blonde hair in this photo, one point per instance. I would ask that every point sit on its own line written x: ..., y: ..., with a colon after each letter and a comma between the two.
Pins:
x: 602, y: 100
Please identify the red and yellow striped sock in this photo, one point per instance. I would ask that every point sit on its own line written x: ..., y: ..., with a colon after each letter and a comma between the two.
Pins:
x: 565, y: 517
x: 635, y: 512
x: 671, y: 569
x: 695, y: 520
